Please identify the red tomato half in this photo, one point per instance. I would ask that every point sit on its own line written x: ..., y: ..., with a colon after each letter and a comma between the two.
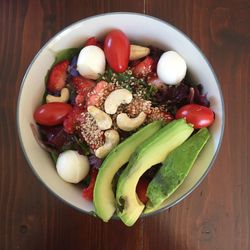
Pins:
x: 199, y: 116
x: 51, y: 114
x: 117, y: 49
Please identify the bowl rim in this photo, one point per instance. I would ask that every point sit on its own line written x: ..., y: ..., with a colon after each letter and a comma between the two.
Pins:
x: 203, y: 56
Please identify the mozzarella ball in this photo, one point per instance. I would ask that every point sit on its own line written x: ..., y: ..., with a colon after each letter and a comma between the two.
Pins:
x: 91, y: 62
x: 72, y: 167
x: 171, y: 68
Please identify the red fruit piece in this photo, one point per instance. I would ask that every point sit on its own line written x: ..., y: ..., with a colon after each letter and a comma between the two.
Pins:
x: 90, y: 41
x: 93, y: 41
x: 141, y: 190
x: 117, y: 49
x: 82, y: 84
x: 87, y: 193
x: 199, y: 116
x: 145, y: 67
x: 153, y: 80
x: 83, y: 87
x: 57, y: 76
x: 52, y: 113
x: 71, y: 120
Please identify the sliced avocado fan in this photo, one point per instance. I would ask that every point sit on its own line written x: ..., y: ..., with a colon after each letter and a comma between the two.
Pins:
x: 152, y: 151
x: 104, y: 197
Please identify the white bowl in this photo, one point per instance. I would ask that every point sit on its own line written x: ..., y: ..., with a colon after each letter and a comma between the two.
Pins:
x: 139, y: 28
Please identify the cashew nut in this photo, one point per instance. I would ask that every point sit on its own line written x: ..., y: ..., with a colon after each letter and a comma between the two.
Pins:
x: 128, y: 124
x: 115, y: 99
x: 64, y: 97
x: 137, y: 52
x: 102, y: 119
x: 111, y: 140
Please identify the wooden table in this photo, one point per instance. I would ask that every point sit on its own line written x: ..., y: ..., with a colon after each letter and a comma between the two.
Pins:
x: 214, y: 216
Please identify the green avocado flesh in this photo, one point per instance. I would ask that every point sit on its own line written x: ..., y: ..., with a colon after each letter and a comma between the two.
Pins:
x: 104, y: 198
x: 152, y: 151
x: 175, y: 168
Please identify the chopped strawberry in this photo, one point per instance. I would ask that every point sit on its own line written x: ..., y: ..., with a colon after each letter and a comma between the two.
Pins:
x: 82, y: 84
x: 141, y: 190
x: 57, y: 76
x: 71, y: 120
x: 83, y: 87
x: 152, y: 79
x: 90, y: 41
x: 93, y: 41
x: 87, y: 193
x: 145, y: 67
x: 133, y: 63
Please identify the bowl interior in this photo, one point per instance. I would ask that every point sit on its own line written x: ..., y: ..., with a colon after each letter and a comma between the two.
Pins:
x: 139, y: 28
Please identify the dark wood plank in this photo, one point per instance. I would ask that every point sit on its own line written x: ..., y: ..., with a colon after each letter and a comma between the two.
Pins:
x: 215, y: 216
x: 31, y: 217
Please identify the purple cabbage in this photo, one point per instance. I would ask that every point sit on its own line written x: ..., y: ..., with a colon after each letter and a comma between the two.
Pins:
x: 53, y: 136
x: 174, y: 97
x: 94, y: 161
x: 200, y: 98
x: 72, y: 67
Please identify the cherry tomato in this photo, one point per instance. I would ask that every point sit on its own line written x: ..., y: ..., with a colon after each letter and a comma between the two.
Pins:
x: 117, y: 49
x: 141, y: 190
x: 199, y: 116
x: 51, y: 114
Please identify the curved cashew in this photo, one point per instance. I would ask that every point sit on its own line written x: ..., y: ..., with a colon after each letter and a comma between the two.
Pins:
x: 102, y: 119
x: 64, y: 97
x: 111, y: 140
x: 128, y: 124
x: 115, y: 99
x: 137, y: 52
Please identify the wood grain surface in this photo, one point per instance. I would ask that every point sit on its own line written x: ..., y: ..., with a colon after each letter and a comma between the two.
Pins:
x: 214, y: 216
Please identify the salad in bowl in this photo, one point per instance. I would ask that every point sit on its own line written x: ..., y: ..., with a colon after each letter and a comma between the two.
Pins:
x: 122, y: 122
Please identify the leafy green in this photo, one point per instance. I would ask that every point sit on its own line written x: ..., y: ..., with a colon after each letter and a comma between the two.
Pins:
x: 66, y: 54
x: 76, y: 144
x: 83, y: 145
x: 54, y: 156
x: 137, y: 86
x: 85, y: 182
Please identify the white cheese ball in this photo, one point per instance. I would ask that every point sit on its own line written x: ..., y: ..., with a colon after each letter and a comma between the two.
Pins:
x: 171, y: 68
x: 91, y: 62
x: 72, y: 167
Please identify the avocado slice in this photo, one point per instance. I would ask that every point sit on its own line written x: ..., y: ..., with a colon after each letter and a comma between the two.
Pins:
x: 104, y: 198
x: 175, y: 168
x: 151, y: 152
